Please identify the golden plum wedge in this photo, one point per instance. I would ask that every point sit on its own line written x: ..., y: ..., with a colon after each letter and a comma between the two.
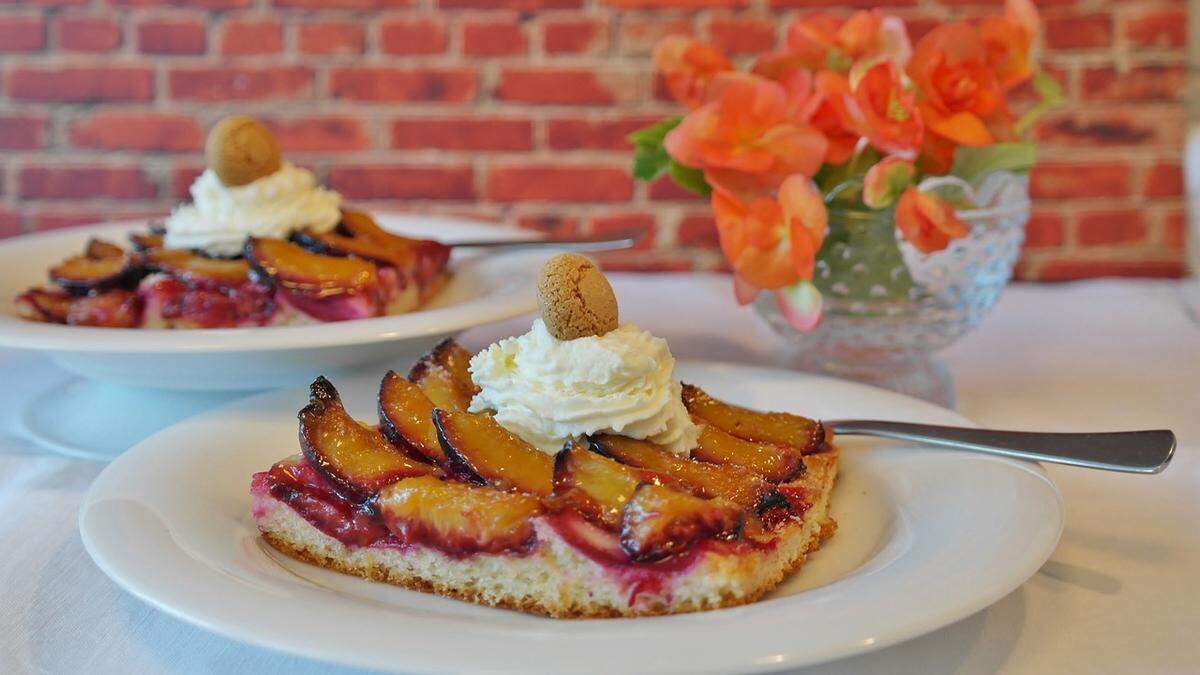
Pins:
x: 776, y: 463
x: 356, y: 459
x: 196, y: 269
x: 143, y: 241
x: 595, y: 486
x: 99, y: 248
x: 307, y: 273
x: 802, y: 433
x: 659, y: 522
x: 83, y: 273
x: 406, y: 417
x: 479, y: 450
x: 332, y: 243
x: 738, y: 485
x: 457, y: 361
x: 456, y: 517
x: 440, y: 385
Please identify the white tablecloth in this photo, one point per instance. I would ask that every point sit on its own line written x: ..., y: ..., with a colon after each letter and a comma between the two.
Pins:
x: 1121, y: 594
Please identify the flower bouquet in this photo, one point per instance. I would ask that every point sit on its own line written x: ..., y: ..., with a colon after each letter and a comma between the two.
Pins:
x: 840, y: 165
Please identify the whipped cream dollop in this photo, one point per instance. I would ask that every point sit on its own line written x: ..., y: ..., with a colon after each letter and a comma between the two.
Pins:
x: 547, y: 390
x: 221, y: 218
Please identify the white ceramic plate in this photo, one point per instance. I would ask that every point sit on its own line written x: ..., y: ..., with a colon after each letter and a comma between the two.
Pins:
x: 926, y: 537
x: 483, y: 289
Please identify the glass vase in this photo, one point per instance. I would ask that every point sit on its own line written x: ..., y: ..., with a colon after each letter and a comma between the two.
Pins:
x: 888, y: 308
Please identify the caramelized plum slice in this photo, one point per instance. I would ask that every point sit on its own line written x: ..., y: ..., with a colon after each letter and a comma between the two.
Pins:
x: 145, y: 242
x: 444, y: 374
x: 775, y: 463
x: 357, y: 460
x: 659, y: 522
x: 332, y: 243
x: 81, y: 273
x: 298, y: 270
x: 38, y: 304
x: 457, y: 361
x: 198, y: 270
x: 406, y: 417
x: 439, y: 385
x: 98, y: 249
x: 479, y: 450
x: 428, y: 257
x: 595, y: 486
x: 110, y: 309
x: 804, y: 434
x: 458, y: 518
x: 735, y: 484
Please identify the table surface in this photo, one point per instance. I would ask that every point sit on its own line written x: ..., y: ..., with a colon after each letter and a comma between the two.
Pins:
x: 1118, y: 595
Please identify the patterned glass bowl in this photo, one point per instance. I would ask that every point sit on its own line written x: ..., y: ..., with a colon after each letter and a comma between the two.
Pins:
x: 888, y: 307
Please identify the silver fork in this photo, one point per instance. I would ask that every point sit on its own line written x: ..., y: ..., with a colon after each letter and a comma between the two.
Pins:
x: 1128, y: 451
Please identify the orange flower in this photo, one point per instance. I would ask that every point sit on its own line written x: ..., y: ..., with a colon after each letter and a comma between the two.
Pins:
x: 771, y: 242
x: 823, y: 41
x: 748, y: 128
x: 885, y: 181
x: 959, y: 93
x: 927, y: 222
x: 877, y: 107
x: 1007, y: 40
x: 688, y: 66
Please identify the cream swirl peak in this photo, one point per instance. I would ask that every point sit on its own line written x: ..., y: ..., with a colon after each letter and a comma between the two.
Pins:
x: 547, y: 390
x: 221, y: 218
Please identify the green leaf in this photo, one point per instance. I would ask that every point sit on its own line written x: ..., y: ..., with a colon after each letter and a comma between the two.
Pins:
x: 650, y: 162
x: 650, y: 158
x: 655, y: 133
x: 973, y: 163
x: 690, y: 179
x: 1051, y: 95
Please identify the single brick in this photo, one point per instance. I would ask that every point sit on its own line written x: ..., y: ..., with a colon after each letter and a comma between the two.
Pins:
x: 22, y: 33
x: 171, y: 36
x: 1098, y: 228
x: 330, y: 38
x: 81, y: 84
x: 1166, y: 28
x: 369, y: 83
x: 114, y: 130
x: 84, y: 182
x: 1044, y: 230
x: 558, y: 183
x: 1070, y: 270
x: 1164, y: 179
x: 595, y: 134
x: 743, y: 35
x: 462, y: 133
x: 1115, y: 129
x: 320, y: 134
x: 243, y: 84
x: 578, y: 86
x: 22, y: 131
x: 698, y: 230
x: 573, y: 36
x: 413, y: 36
x: 404, y: 182
x: 1050, y: 180
x: 250, y: 36
x: 88, y: 33
x: 493, y: 38
x: 1145, y: 83
x: 1079, y: 32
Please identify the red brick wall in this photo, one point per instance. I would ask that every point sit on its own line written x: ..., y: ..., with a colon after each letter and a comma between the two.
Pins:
x: 517, y: 109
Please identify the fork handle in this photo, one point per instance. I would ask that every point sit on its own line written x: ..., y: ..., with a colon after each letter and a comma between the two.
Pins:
x: 1128, y: 451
